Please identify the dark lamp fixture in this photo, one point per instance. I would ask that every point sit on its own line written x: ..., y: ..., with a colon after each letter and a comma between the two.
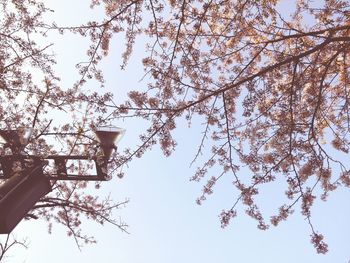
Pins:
x: 108, y: 136
x: 16, y: 139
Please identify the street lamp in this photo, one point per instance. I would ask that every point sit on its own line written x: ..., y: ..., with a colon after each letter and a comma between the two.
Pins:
x: 24, y: 181
x: 108, y: 136
x: 16, y: 139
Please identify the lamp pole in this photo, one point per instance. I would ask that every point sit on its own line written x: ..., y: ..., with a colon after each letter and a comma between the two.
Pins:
x: 24, y: 181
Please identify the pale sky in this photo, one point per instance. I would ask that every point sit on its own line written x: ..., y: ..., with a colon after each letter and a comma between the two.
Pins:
x: 166, y: 225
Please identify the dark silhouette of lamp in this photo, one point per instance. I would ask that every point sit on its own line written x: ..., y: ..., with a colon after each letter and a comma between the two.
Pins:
x: 16, y: 139
x: 108, y: 136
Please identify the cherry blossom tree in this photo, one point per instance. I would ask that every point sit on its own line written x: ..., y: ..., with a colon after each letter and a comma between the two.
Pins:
x: 269, y: 83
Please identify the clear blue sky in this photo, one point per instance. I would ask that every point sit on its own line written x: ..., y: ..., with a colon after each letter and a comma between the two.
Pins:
x: 166, y: 226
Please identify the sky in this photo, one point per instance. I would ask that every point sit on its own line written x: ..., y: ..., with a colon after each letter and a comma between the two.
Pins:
x: 166, y: 225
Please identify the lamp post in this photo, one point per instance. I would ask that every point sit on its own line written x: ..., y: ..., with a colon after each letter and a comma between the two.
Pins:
x: 24, y: 180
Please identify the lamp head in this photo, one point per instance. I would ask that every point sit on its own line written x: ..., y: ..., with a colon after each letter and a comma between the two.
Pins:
x: 108, y: 136
x: 16, y: 139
